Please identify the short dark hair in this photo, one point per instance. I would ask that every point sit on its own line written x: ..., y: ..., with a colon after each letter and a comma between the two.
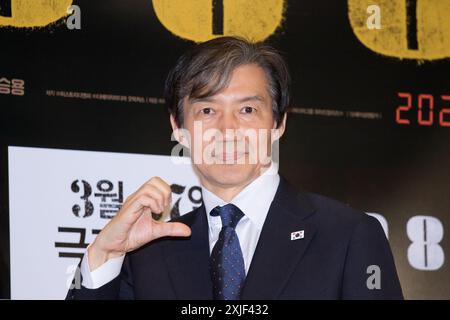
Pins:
x: 205, y: 70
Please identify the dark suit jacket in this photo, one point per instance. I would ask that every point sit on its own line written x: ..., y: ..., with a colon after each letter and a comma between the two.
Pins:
x: 330, y: 262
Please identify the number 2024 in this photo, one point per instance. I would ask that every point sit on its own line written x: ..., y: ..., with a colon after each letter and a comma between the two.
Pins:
x: 426, y: 110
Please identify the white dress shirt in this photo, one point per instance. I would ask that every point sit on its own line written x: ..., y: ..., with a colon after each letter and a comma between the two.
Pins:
x: 254, y: 201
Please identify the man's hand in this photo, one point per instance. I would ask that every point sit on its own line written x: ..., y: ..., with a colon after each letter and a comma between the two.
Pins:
x: 133, y: 226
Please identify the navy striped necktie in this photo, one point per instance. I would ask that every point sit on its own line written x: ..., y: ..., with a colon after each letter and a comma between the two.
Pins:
x: 227, y: 261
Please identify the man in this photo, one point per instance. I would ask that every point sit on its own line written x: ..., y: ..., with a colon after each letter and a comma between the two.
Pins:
x: 254, y: 236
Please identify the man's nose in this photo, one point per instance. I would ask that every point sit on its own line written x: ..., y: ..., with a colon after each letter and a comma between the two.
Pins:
x: 229, y: 126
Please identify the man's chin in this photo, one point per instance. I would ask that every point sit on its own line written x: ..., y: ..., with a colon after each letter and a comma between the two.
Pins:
x: 232, y: 174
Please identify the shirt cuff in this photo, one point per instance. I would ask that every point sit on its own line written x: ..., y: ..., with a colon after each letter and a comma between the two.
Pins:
x: 103, y: 274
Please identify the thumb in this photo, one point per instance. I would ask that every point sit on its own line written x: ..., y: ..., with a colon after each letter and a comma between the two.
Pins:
x: 171, y: 229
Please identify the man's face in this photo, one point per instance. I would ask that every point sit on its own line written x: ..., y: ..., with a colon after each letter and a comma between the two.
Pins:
x: 230, y: 132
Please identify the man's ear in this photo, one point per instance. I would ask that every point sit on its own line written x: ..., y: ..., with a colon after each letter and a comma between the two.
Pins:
x: 281, y: 128
x: 173, y: 123
x: 179, y: 134
x: 176, y: 132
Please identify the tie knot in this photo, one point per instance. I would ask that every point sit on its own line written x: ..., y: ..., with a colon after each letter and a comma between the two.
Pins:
x: 229, y: 214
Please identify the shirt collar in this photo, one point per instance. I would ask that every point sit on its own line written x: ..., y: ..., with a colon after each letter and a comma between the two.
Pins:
x: 254, y: 200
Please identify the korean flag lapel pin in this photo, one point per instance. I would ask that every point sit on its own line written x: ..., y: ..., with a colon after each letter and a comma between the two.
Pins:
x: 297, y: 235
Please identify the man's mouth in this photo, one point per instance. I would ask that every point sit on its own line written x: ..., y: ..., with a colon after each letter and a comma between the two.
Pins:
x: 231, y: 156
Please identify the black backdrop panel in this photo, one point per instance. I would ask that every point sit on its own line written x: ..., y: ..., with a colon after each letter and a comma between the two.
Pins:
x: 343, y: 138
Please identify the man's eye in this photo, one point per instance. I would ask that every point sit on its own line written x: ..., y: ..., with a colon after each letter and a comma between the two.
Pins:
x: 206, y: 111
x: 248, y: 109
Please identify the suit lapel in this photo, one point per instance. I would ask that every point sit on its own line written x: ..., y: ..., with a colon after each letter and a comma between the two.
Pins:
x: 188, y: 259
x: 276, y: 255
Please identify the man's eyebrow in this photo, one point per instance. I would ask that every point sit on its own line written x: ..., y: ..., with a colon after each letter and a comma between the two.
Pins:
x: 240, y: 100
x: 204, y: 99
x: 251, y: 98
